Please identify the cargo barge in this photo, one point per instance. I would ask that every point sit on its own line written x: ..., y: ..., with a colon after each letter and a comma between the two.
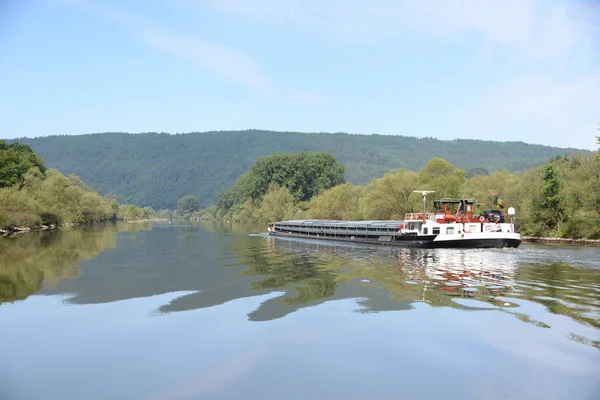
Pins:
x: 453, y: 224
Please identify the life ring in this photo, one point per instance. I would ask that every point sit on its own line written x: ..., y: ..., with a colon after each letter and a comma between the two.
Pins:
x: 481, y: 218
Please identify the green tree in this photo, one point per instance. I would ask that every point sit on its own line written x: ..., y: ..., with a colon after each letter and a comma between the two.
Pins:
x: 158, y: 169
x: 187, y: 205
x: 303, y: 174
x: 483, y: 188
x: 247, y: 212
x: 277, y: 204
x: 15, y: 160
x: 598, y: 152
x: 435, y: 167
x: 340, y: 202
x: 551, y: 205
x: 389, y: 197
x: 32, y: 195
x: 131, y: 212
x: 441, y: 176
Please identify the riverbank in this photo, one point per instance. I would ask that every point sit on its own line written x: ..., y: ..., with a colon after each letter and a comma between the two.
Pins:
x: 525, y: 239
x: 554, y: 240
x: 133, y: 221
x: 21, y: 229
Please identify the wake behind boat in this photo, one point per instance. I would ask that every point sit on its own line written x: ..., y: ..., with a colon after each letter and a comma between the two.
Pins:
x: 452, y: 225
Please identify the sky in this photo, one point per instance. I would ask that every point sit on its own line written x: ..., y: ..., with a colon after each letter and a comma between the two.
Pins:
x: 512, y: 70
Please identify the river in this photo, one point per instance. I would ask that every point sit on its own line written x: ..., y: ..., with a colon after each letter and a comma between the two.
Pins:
x: 217, y: 311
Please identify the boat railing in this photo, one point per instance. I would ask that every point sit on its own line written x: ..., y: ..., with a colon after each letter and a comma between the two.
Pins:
x: 419, y: 216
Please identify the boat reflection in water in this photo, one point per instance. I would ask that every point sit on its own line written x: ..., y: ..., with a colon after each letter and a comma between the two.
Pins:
x: 449, y: 275
x: 440, y: 277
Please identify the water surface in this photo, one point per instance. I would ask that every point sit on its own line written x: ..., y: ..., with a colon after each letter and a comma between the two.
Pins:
x: 215, y: 311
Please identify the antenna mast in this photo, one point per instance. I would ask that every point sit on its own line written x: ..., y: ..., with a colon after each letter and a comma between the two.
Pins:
x: 424, y: 195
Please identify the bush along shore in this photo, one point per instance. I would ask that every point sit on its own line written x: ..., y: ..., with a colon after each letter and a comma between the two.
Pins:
x: 33, y: 197
x: 20, y: 229
x: 13, y: 230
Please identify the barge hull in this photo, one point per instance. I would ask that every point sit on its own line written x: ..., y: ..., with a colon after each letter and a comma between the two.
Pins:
x: 418, y: 241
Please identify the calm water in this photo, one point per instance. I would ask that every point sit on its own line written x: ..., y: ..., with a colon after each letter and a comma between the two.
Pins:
x: 208, y: 311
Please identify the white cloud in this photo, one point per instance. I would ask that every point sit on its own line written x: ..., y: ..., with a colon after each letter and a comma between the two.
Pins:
x: 547, y: 51
x: 520, y: 24
x: 228, y: 62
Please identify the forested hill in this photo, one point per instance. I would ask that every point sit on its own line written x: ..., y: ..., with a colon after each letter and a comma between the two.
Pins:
x: 157, y: 169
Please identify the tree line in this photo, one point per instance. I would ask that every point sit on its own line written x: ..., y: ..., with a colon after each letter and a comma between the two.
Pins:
x: 560, y: 198
x: 157, y: 169
x: 33, y: 195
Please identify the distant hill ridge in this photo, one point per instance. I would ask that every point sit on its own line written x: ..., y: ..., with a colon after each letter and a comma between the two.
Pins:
x: 157, y: 169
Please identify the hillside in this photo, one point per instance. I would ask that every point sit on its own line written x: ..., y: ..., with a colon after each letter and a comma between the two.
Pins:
x: 157, y: 169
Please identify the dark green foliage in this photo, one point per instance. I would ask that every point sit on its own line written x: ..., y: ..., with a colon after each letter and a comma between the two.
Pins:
x: 187, y: 205
x: 158, y: 169
x: 551, y: 187
x: 303, y: 174
x: 551, y: 207
x: 479, y: 171
x: 49, y: 218
x: 15, y: 160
